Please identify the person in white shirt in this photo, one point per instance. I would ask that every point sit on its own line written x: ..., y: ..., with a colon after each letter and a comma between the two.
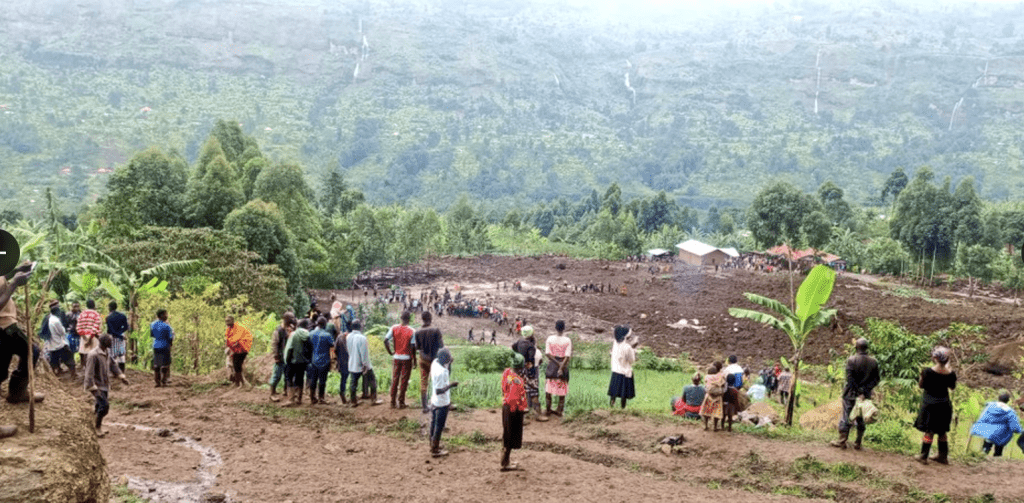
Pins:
x: 623, y: 357
x: 440, y: 398
x: 56, y: 346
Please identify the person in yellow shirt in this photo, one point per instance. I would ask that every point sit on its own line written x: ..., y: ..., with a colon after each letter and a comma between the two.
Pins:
x: 239, y: 342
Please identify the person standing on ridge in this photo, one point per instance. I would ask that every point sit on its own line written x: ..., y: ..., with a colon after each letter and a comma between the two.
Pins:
x: 861, y: 379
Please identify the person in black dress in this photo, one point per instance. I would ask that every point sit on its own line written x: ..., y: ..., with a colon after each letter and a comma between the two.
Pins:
x: 936, y: 410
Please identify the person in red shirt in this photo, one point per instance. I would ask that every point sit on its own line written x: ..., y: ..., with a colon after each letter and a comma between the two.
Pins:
x: 90, y: 327
x: 513, y: 409
x: 403, y: 358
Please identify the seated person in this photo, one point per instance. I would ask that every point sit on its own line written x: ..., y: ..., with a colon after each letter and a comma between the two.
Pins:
x: 689, y: 404
x: 997, y: 424
x: 758, y: 391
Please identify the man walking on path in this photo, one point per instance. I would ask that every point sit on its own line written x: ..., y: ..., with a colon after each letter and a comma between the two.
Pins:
x: 90, y: 326
x: 239, y: 342
x: 428, y: 342
x: 117, y: 327
x: 98, y: 367
x: 359, y: 365
x: 861, y: 379
x: 404, y: 358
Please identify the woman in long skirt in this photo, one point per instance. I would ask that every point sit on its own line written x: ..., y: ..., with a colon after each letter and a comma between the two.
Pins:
x: 936, y: 409
x: 623, y: 357
x: 559, y: 350
x: 714, y: 386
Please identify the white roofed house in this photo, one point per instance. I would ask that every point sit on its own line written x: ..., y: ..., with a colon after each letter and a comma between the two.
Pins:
x: 694, y: 252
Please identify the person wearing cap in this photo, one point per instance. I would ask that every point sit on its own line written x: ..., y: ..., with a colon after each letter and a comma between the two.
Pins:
x: 56, y: 346
x: 403, y: 358
x: 936, y: 411
x: 861, y: 379
x: 513, y: 409
x: 623, y: 357
x: 239, y: 342
x: 440, y: 398
x: 997, y: 425
x: 527, y: 347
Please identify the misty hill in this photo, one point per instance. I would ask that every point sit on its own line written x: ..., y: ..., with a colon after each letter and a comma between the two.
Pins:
x: 512, y: 101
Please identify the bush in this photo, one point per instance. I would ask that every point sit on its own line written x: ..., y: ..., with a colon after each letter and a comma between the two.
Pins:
x: 481, y: 359
x: 591, y: 356
x: 900, y: 353
x: 647, y: 360
x: 890, y: 434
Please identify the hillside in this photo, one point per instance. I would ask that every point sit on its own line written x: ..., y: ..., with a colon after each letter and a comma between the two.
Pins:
x: 514, y: 100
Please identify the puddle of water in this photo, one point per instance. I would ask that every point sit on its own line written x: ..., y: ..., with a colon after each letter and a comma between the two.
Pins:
x: 178, y: 492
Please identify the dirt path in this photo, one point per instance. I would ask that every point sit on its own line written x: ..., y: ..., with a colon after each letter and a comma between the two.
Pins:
x: 331, y: 453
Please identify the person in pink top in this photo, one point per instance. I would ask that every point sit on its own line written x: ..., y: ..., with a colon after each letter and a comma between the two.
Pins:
x: 559, y: 350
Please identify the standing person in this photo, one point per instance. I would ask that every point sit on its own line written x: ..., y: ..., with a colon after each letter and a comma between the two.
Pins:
x: 936, y: 411
x: 163, y: 339
x: 74, y: 341
x: 861, y: 379
x: 785, y: 386
x: 440, y: 398
x: 428, y: 342
x: 513, y: 408
x: 296, y: 357
x: 623, y: 357
x: 997, y: 425
x: 730, y: 400
x: 558, y: 348
x: 13, y: 341
x: 403, y: 360
x: 117, y: 327
x: 239, y: 342
x: 320, y: 365
x: 359, y: 365
x: 98, y: 367
x: 527, y: 346
x: 56, y: 344
x: 90, y: 325
x: 714, y: 386
x: 338, y: 329
x: 281, y: 334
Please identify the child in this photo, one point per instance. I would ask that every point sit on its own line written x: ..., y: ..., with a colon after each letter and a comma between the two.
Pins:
x: 513, y: 409
x: 98, y: 366
x: 440, y: 400
x: 997, y: 425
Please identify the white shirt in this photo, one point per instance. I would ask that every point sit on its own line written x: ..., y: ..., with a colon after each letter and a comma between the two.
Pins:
x: 732, y: 369
x: 623, y: 357
x: 439, y: 377
x: 57, y: 335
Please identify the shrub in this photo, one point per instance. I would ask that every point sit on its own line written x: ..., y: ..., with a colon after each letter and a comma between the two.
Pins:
x: 483, y: 359
x: 900, y: 353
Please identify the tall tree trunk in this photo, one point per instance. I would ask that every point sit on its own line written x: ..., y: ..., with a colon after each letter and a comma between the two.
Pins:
x: 792, y: 394
x: 30, y: 332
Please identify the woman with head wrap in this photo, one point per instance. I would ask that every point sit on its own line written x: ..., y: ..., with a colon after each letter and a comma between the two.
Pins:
x: 559, y: 350
x: 513, y: 408
x: 623, y: 357
x: 936, y: 410
x: 440, y: 399
x: 714, y: 386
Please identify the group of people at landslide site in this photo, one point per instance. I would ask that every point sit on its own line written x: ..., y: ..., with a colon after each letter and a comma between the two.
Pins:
x: 305, y: 350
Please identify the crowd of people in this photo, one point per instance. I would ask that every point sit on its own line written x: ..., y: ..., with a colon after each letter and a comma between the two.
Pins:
x: 305, y: 350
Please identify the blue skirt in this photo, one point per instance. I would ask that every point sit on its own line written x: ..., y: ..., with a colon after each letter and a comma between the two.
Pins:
x: 621, y: 386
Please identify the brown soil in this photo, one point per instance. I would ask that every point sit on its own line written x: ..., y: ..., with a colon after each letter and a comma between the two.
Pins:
x: 334, y: 453
x: 654, y: 302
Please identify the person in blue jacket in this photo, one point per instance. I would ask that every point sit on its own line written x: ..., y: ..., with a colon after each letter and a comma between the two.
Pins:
x: 997, y: 425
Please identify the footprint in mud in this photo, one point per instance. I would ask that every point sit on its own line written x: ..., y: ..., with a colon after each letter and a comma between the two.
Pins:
x: 194, y: 490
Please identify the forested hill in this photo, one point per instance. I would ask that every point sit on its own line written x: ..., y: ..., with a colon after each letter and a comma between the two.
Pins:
x: 516, y: 102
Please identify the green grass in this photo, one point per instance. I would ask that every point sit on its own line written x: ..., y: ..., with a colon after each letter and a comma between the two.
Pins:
x: 121, y: 494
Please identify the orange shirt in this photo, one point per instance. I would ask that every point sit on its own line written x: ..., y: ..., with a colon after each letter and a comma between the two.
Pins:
x: 239, y: 338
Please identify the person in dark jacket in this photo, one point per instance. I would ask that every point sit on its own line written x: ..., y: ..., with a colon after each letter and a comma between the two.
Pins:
x: 281, y: 335
x: 861, y: 379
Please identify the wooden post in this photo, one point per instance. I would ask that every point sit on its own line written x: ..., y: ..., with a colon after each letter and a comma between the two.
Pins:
x: 29, y: 330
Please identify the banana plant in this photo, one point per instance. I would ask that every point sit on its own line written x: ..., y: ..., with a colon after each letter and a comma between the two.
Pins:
x: 813, y: 293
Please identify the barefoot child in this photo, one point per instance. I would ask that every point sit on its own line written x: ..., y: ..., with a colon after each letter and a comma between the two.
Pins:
x: 440, y: 375
x: 98, y: 367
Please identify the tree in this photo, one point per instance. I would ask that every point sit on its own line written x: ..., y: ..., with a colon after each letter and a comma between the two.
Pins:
x: 337, y: 196
x: 886, y: 256
x: 808, y: 315
x: 713, y: 220
x: 466, y: 231
x: 250, y: 173
x: 262, y: 227
x: 628, y: 236
x: 146, y: 191
x: 656, y: 212
x: 923, y: 219
x: 968, y: 227
x: 894, y: 185
x: 285, y: 185
x: 238, y: 147
x: 778, y: 213
x: 612, y: 199
x: 975, y: 263
x: 214, y: 194
x: 836, y: 208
